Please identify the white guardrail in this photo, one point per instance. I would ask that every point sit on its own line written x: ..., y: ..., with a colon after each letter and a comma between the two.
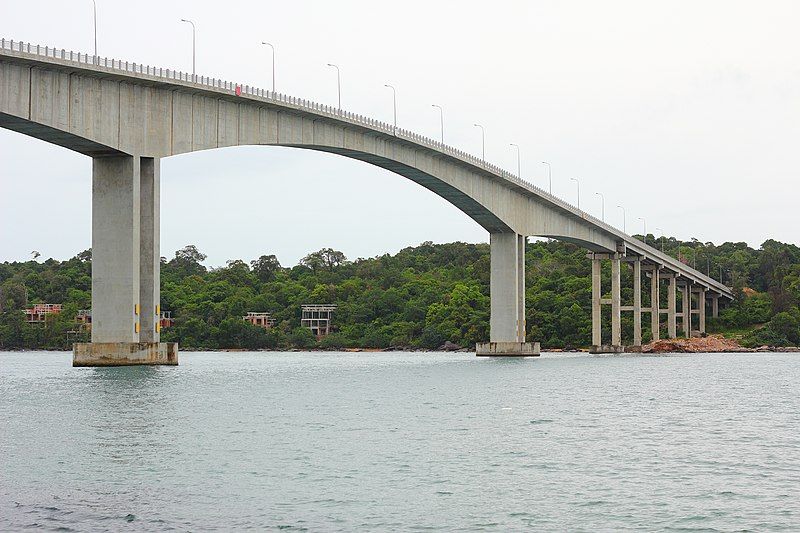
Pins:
x: 335, y: 113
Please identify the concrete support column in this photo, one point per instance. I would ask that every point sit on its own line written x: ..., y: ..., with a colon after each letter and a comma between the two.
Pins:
x: 637, y: 302
x: 126, y: 263
x: 150, y: 254
x: 701, y: 302
x: 687, y: 310
x: 521, y: 329
x: 655, y: 304
x: 672, y: 329
x: 507, y: 298
x: 597, y: 337
x: 616, y: 314
x: 714, y: 305
x: 115, y: 249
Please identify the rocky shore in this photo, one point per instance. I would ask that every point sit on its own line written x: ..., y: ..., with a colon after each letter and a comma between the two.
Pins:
x: 708, y: 344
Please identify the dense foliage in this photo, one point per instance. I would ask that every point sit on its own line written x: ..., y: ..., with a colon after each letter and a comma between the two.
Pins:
x: 420, y: 297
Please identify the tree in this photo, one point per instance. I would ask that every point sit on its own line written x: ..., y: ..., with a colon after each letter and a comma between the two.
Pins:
x: 85, y: 256
x: 302, y: 338
x: 265, y: 267
x: 187, y: 261
x: 327, y: 258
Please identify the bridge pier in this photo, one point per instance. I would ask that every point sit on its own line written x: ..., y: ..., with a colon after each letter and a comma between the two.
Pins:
x: 598, y: 301
x: 616, y: 314
x: 637, y: 304
x: 126, y: 264
x: 655, y: 303
x: 700, y: 295
x: 672, y: 326
x: 507, y: 298
x: 701, y: 304
x: 686, y: 314
x: 636, y: 308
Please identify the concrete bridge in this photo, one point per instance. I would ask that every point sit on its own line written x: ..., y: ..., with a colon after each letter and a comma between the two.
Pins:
x: 128, y: 116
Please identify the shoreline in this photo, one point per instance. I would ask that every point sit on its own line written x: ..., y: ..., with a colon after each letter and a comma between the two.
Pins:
x: 644, y: 352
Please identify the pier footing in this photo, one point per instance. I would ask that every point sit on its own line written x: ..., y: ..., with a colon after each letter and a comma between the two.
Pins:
x: 607, y: 348
x: 124, y: 353
x: 507, y: 349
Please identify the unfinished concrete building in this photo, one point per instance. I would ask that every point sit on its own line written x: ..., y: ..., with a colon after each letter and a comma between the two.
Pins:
x: 318, y: 318
x: 38, y: 313
x: 262, y: 320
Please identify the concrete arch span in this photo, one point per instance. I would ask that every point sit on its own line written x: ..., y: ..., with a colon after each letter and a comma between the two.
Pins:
x: 100, y: 114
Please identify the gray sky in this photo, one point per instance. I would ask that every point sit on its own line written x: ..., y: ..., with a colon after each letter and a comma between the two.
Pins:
x: 684, y: 112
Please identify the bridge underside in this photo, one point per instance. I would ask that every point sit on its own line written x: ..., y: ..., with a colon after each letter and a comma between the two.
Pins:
x: 56, y: 136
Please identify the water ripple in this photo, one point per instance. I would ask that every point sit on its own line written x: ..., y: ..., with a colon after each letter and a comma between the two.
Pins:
x: 343, y: 442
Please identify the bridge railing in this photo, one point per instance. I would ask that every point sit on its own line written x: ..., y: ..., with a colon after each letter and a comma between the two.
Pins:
x: 311, y: 106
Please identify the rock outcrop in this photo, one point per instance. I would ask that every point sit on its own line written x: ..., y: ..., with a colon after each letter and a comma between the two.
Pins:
x: 709, y: 344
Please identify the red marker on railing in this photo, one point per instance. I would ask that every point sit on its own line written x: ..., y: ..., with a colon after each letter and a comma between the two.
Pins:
x: 238, y: 90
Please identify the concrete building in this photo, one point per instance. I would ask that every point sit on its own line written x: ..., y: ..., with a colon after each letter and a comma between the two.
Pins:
x: 128, y: 116
x: 318, y: 318
x: 262, y: 320
x: 84, y: 319
x: 39, y: 312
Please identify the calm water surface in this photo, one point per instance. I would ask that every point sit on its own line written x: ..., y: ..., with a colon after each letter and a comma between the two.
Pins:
x: 344, y: 442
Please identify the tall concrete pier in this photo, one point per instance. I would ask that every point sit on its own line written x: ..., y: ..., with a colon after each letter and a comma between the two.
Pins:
x: 126, y: 265
x: 128, y: 116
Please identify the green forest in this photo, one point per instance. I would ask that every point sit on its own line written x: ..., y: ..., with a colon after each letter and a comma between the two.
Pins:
x: 420, y: 297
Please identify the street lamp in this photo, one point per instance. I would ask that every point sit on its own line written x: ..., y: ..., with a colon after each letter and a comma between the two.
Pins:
x: 94, y: 6
x: 194, y: 40
x: 273, y: 64
x: 602, y: 206
x: 483, y: 142
x: 519, y: 166
x: 441, y: 119
x: 549, y: 175
x: 644, y: 222
x: 624, y: 216
x: 338, y: 84
x: 578, y: 183
x: 394, y: 102
x: 662, y: 239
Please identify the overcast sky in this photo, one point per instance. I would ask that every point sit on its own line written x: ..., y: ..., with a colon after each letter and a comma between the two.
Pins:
x: 684, y: 112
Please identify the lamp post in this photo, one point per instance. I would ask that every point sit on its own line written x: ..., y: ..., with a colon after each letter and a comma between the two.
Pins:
x: 194, y: 48
x: 602, y: 206
x: 483, y: 143
x: 394, y: 103
x: 338, y: 84
x: 578, y: 183
x: 644, y: 223
x: 549, y: 176
x: 94, y: 6
x: 624, y: 216
x: 273, y: 64
x: 519, y: 165
x: 662, y: 239
x: 441, y: 120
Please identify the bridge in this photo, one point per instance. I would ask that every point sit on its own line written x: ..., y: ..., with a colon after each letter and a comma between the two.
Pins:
x: 127, y: 116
